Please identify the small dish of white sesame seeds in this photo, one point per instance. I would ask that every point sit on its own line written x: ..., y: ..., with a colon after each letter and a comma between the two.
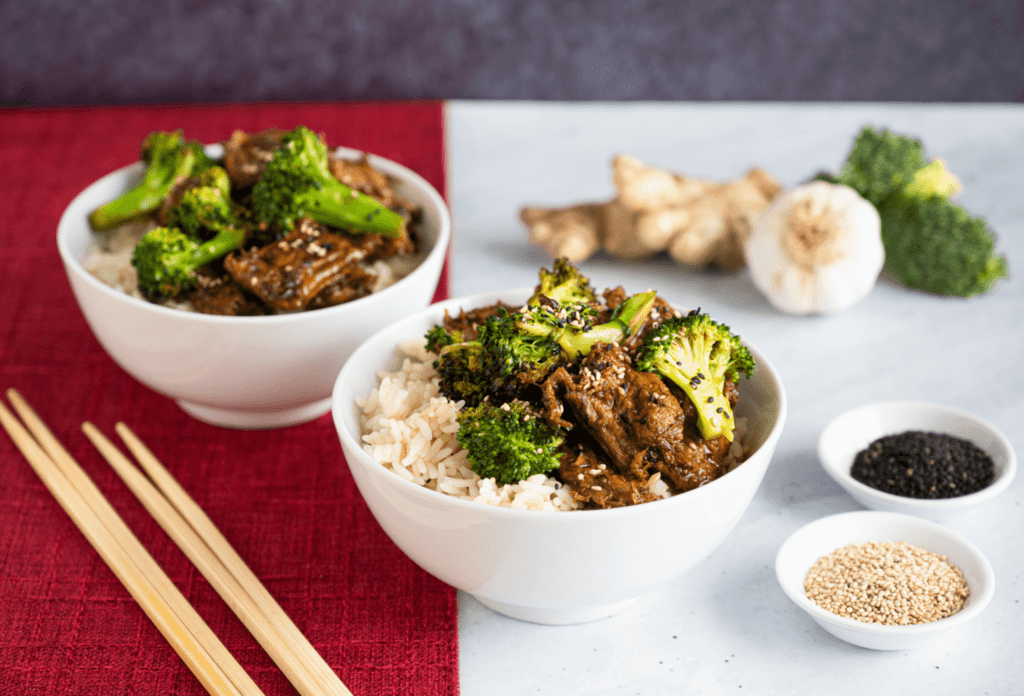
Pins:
x: 884, y: 580
x: 918, y: 458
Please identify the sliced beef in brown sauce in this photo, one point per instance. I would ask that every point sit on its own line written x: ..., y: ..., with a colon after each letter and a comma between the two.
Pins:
x: 246, y: 154
x: 468, y: 323
x: 290, y: 273
x: 218, y: 293
x: 636, y: 420
x: 363, y: 177
x: 593, y: 484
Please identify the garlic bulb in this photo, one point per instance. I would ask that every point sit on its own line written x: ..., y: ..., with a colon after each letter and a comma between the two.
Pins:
x: 816, y: 249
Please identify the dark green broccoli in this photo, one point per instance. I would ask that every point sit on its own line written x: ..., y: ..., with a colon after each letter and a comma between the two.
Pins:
x: 698, y: 354
x: 298, y: 183
x: 930, y: 242
x: 464, y: 372
x: 509, y: 442
x: 935, y: 245
x: 564, y: 283
x: 882, y: 163
x: 167, y: 157
x: 166, y: 258
x: 207, y: 208
x: 439, y: 337
x: 513, y: 351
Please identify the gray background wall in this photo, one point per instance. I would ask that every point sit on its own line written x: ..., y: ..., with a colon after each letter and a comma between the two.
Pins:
x: 120, y: 51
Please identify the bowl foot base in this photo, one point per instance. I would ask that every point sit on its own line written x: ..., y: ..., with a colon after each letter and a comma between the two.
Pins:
x: 556, y: 617
x: 255, y: 420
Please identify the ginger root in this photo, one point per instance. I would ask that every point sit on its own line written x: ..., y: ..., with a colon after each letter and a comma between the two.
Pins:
x: 698, y: 222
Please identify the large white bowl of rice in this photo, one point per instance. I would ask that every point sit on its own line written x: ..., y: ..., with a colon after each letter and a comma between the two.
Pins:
x: 240, y: 371
x: 521, y: 550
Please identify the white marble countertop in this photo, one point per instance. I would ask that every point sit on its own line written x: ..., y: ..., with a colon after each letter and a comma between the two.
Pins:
x: 727, y: 627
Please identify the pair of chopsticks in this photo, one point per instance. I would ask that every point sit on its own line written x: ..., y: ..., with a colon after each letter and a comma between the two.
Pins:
x: 194, y: 533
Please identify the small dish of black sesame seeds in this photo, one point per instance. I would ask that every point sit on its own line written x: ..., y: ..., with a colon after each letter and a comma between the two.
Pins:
x: 919, y: 458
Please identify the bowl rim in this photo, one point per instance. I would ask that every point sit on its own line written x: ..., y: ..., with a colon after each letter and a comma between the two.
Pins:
x: 479, y: 299
x: 840, y: 471
x: 435, y: 256
x: 784, y: 564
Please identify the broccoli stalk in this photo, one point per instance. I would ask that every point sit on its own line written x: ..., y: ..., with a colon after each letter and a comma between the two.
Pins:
x: 930, y: 242
x: 167, y: 156
x: 508, y: 443
x: 564, y: 283
x: 698, y: 354
x: 571, y: 329
x: 166, y: 258
x: 297, y: 183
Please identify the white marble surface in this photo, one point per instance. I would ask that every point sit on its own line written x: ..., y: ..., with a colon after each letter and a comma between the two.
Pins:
x: 727, y: 627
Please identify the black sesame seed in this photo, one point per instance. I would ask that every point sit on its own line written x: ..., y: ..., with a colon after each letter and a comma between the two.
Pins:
x: 906, y: 467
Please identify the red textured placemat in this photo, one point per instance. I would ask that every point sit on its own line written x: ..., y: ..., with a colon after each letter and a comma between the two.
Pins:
x: 284, y: 498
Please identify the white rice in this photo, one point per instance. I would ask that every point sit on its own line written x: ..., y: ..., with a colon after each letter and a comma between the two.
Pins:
x: 409, y: 427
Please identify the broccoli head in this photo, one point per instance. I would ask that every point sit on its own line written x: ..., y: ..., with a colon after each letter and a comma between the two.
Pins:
x: 438, y: 337
x: 166, y: 259
x: 167, y: 156
x: 564, y: 283
x: 508, y: 443
x: 464, y: 372
x: 699, y: 355
x: 930, y: 243
x: 297, y: 183
x: 207, y: 209
x: 933, y: 244
x: 881, y: 163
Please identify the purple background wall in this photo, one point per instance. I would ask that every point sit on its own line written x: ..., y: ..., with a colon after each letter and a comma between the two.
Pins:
x: 120, y: 51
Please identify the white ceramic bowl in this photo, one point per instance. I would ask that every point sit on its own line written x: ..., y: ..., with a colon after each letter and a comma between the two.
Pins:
x: 853, y: 431
x: 821, y: 537
x: 244, y: 372
x: 550, y: 567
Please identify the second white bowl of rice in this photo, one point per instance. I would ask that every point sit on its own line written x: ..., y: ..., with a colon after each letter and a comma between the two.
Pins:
x: 521, y: 550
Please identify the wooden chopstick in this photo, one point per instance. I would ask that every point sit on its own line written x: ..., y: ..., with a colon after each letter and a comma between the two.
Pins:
x: 200, y: 540
x: 182, y: 627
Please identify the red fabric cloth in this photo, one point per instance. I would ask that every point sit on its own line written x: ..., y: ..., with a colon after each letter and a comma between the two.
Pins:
x: 284, y: 498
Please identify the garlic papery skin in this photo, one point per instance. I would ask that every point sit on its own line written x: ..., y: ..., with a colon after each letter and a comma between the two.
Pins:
x: 817, y: 249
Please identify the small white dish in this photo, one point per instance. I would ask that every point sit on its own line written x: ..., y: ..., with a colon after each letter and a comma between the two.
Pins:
x: 821, y: 537
x: 853, y: 431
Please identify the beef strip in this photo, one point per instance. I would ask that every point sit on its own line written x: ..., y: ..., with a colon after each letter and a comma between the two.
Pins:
x: 593, y: 484
x: 635, y: 418
x: 246, y: 155
x: 218, y: 293
x: 288, y: 274
x: 363, y: 177
x: 468, y: 322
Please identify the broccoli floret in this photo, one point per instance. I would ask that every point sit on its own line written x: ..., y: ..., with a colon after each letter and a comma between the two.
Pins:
x: 880, y: 163
x: 464, y: 372
x: 206, y: 209
x: 513, y: 351
x: 564, y: 283
x: 439, y: 337
x: 698, y: 354
x: 166, y: 258
x: 508, y: 443
x: 933, y: 244
x: 930, y: 242
x: 297, y: 183
x: 167, y: 156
